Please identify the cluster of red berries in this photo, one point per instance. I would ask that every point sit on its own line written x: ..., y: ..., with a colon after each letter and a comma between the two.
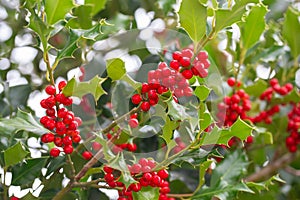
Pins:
x: 265, y: 116
x: 276, y: 88
x: 143, y: 173
x: 233, y: 106
x: 293, y: 126
x: 61, y: 122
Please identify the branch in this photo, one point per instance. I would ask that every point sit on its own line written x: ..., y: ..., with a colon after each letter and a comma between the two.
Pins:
x: 272, y: 168
x: 293, y: 171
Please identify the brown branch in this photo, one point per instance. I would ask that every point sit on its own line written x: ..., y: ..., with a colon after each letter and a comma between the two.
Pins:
x: 272, y: 168
x: 293, y: 171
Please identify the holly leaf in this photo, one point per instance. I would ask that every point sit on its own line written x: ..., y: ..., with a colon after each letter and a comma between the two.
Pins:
x: 205, y: 118
x: 79, y: 89
x: 97, y: 5
x: 192, y: 18
x: 250, y: 29
x: 257, y: 88
x: 23, y: 121
x: 168, y: 129
x: 227, y: 17
x: 239, y: 129
x: 265, y: 184
x: 57, y: 9
x: 115, y: 68
x: 291, y: 29
x: 146, y: 193
x: 28, y: 171
x: 70, y: 47
x: 177, y: 111
x: 15, y: 154
x: 82, y: 17
x: 202, y: 92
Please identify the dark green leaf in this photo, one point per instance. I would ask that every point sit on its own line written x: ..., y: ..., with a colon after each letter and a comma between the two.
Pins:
x: 205, y: 118
x: 55, y: 164
x: 70, y: 47
x: 291, y: 30
x: 27, y: 171
x: 82, y: 17
x: 146, y: 193
x: 57, y: 9
x: 250, y: 29
x: 79, y: 89
x: 18, y: 95
x: 14, y: 154
x: 23, y: 121
x: 177, y: 111
x: 115, y: 68
x: 192, y: 17
x: 97, y: 5
x: 266, y: 184
x: 202, y: 171
x: 29, y: 196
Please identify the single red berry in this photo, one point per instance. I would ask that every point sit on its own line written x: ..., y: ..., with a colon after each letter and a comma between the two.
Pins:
x: 58, y: 141
x: 177, y: 55
x: 249, y: 139
x: 136, y: 168
x: 50, y: 89
x: 202, y: 55
x: 231, y: 81
x: 134, y: 116
x: 162, y: 65
x: 14, y: 198
x: 145, y: 106
x: 188, y: 74
x: 156, y: 180
x: 164, y: 190
x: 187, y: 53
x: 76, y: 138
x: 293, y: 148
x: 174, y: 64
x: 164, y: 174
x: 68, y: 149
x: 273, y: 82
x: 136, y: 99
x: 289, y: 87
x: 147, y: 176
x: 73, y: 125
x: 87, y: 155
x: 185, y: 61
x: 109, y: 177
x: 145, y: 88
x: 108, y: 169
x: 136, y: 187
x: 131, y: 147
x: 54, y: 152
x: 67, y: 140
x: 96, y: 146
x: 152, y: 94
x: 133, y: 123
x: 61, y: 85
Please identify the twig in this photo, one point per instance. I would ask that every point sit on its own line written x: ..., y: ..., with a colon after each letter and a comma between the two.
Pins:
x: 293, y: 171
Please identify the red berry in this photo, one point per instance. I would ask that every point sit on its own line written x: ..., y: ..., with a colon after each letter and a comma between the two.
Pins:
x: 136, y: 99
x: 249, y: 139
x: 76, y: 138
x: 50, y: 89
x: 67, y: 140
x: 185, y: 61
x: 188, y: 74
x: 131, y: 147
x: 68, y: 149
x: 177, y: 55
x: 136, y: 187
x: 136, y: 168
x: 187, y: 53
x: 133, y: 123
x: 273, y: 82
x: 152, y: 94
x: 231, y: 81
x: 289, y: 87
x: 96, y: 146
x: 145, y: 88
x: 202, y: 55
x: 147, y: 176
x: 163, y: 173
x: 156, y: 180
x: 108, y: 169
x: 87, y: 155
x: 61, y: 85
x: 54, y: 152
x: 174, y: 64
x: 58, y: 141
x: 134, y: 116
x: 162, y: 65
x: 145, y: 106
x: 109, y: 177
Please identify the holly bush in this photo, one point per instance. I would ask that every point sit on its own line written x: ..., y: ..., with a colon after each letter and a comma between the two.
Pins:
x: 196, y: 99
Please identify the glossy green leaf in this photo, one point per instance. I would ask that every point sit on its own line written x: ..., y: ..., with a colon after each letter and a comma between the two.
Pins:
x: 26, y: 172
x: 79, y: 89
x: 227, y: 17
x: 256, y: 88
x: 23, y: 121
x: 18, y: 95
x: 202, y: 171
x: 15, y: 154
x: 146, y: 193
x: 291, y: 30
x: 55, y: 164
x: 82, y: 17
x: 29, y: 196
x: 239, y: 129
x: 115, y: 68
x: 192, y: 17
x: 202, y: 92
x: 205, y: 118
x: 71, y: 46
x: 259, y: 186
x: 177, y: 111
x: 231, y: 169
x: 168, y: 130
x: 250, y: 29
x: 57, y: 9
x: 97, y: 5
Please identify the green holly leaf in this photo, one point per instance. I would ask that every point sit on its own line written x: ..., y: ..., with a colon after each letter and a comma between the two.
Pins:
x: 115, y: 68
x: 57, y: 9
x: 79, y: 89
x: 257, y: 88
x: 177, y: 111
x: 192, y: 17
x: 28, y: 171
x: 205, y: 118
x: 202, y: 92
x: 250, y: 29
x: 239, y: 129
x: 14, y: 154
x: 82, y: 18
x: 202, y: 171
x: 227, y: 17
x: 23, y: 121
x: 168, y: 130
x: 291, y: 29
x: 97, y: 5
x: 259, y: 186
x: 71, y: 46
x: 146, y: 193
